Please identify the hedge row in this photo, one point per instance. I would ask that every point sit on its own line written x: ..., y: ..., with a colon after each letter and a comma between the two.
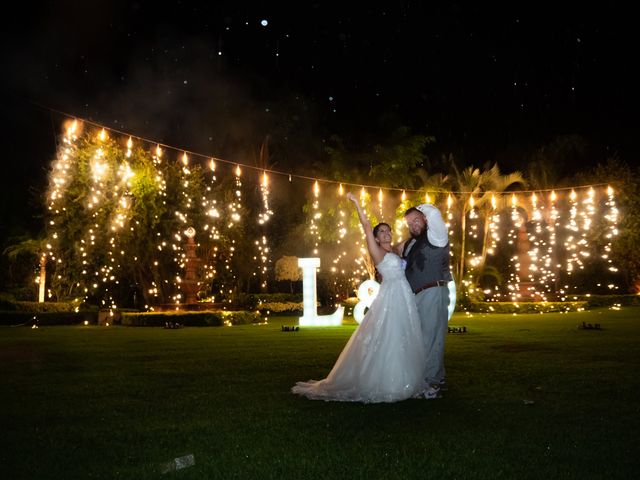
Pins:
x: 278, y: 297
x: 251, y: 301
x: 7, y: 305
x: 524, y: 307
x: 47, y: 318
x: 595, y: 301
x: 189, y: 319
x: 281, y: 308
x: 134, y: 319
x: 571, y: 304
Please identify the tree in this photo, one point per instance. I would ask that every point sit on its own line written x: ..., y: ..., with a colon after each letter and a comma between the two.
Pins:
x: 479, y: 191
x: 117, y: 217
x: 624, y: 253
x: 467, y: 184
x: 287, y: 270
x: 397, y: 162
x: 494, y: 184
x: 34, y: 248
x: 544, y: 169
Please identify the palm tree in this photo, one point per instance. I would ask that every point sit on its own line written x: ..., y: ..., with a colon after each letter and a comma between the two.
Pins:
x: 34, y: 247
x: 467, y: 184
x: 494, y: 184
x: 484, y: 187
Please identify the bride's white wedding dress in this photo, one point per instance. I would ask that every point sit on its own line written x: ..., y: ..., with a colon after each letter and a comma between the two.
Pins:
x: 384, y: 360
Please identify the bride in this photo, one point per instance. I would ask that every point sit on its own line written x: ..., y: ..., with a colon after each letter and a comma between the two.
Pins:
x: 384, y: 359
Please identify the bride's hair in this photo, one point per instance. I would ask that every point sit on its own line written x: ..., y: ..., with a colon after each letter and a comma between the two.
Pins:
x: 376, y: 229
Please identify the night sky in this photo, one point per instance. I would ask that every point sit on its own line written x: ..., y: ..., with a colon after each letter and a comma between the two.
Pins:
x: 488, y: 82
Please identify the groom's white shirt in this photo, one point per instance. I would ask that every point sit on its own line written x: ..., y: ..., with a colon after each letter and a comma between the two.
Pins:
x: 437, y: 232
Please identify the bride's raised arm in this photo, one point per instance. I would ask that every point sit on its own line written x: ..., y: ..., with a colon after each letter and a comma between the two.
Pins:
x: 375, y: 250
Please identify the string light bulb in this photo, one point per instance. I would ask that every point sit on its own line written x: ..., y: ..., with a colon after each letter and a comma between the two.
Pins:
x: 71, y: 130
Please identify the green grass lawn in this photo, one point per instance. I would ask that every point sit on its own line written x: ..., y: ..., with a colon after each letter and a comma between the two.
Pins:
x: 529, y: 396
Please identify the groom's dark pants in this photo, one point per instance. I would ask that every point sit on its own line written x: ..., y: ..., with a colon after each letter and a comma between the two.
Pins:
x: 433, y: 304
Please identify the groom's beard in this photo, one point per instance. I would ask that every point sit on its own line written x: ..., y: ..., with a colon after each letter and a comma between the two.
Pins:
x: 418, y: 235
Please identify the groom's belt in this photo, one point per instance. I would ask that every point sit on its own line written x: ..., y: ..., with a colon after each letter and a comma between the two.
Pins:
x: 437, y: 283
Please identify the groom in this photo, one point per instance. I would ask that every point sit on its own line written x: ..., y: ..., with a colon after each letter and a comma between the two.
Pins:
x: 427, y: 270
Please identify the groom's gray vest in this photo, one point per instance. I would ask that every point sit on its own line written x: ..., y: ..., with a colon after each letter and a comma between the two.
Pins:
x: 425, y: 262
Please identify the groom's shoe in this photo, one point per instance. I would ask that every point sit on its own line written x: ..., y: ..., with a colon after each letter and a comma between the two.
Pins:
x: 432, y: 392
x: 418, y: 395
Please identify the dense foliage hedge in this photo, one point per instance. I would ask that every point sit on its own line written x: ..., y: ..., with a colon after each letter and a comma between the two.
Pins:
x: 572, y: 304
x: 8, y: 305
x: 594, y: 301
x: 189, y: 319
x: 47, y: 318
x: 253, y: 301
x: 523, y: 307
x: 62, y: 313
x: 281, y: 308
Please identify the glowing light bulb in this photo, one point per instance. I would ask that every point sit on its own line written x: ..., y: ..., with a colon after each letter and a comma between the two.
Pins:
x: 316, y: 188
x: 340, y: 190
x: 212, y: 165
x: 185, y: 159
x: 404, y: 196
x: 72, y: 128
x: 514, y: 200
x: 493, y: 202
x: 238, y: 171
